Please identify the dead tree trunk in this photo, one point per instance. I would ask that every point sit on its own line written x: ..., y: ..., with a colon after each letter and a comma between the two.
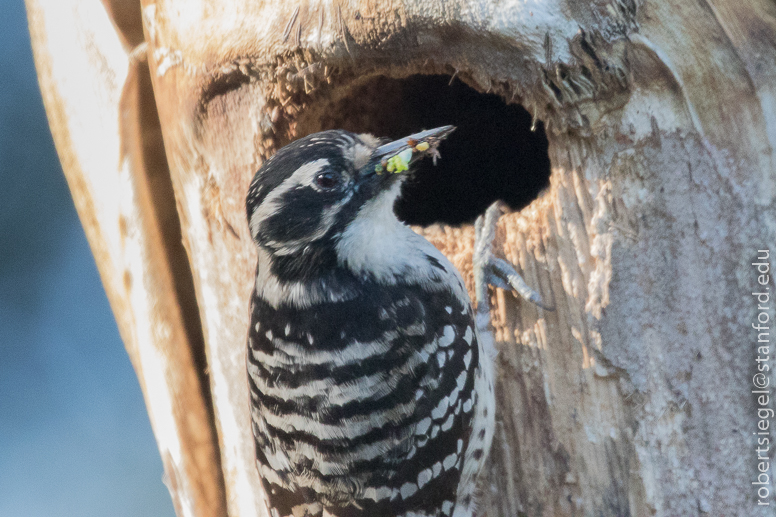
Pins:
x: 633, y: 398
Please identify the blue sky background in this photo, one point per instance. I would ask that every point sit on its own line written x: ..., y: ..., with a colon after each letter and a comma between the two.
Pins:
x: 75, y: 439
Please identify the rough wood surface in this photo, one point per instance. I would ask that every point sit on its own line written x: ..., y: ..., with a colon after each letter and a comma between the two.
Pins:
x: 633, y: 397
x: 100, y: 108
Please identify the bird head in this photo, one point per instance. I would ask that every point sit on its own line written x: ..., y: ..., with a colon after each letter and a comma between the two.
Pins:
x: 305, y: 196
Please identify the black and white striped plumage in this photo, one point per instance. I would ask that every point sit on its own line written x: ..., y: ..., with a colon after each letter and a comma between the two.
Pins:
x: 371, y: 393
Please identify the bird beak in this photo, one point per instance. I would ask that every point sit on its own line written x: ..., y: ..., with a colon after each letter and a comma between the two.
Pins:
x: 396, y: 157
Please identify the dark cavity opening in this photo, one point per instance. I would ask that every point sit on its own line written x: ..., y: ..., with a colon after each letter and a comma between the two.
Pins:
x: 492, y: 155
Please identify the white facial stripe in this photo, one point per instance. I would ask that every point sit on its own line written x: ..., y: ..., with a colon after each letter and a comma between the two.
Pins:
x: 303, y: 176
x: 327, y: 220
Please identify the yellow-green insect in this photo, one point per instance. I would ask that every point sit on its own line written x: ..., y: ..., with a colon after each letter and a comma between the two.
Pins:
x: 399, y: 162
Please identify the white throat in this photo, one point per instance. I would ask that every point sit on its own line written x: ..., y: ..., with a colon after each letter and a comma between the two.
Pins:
x: 377, y: 244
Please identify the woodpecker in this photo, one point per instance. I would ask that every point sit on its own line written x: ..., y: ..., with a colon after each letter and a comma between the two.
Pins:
x: 371, y: 380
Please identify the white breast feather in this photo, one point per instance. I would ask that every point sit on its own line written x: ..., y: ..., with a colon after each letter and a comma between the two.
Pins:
x: 376, y: 243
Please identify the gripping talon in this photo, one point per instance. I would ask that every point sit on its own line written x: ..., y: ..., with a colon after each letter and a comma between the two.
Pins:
x: 497, y: 281
x: 490, y: 270
x: 507, y: 274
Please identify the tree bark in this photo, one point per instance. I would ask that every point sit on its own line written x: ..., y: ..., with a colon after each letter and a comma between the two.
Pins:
x: 100, y: 106
x: 634, y: 397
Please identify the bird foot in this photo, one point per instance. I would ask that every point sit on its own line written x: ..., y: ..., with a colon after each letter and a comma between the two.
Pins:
x: 491, y: 270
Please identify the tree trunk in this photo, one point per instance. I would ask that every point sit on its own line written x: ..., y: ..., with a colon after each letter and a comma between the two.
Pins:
x: 634, y: 397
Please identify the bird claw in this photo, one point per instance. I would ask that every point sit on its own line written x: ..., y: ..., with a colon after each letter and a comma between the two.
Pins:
x: 491, y: 270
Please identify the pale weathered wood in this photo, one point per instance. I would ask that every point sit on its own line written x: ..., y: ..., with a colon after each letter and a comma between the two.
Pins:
x: 633, y: 397
x: 100, y: 107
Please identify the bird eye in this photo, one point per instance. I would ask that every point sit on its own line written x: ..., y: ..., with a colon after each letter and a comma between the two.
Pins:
x: 327, y: 180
